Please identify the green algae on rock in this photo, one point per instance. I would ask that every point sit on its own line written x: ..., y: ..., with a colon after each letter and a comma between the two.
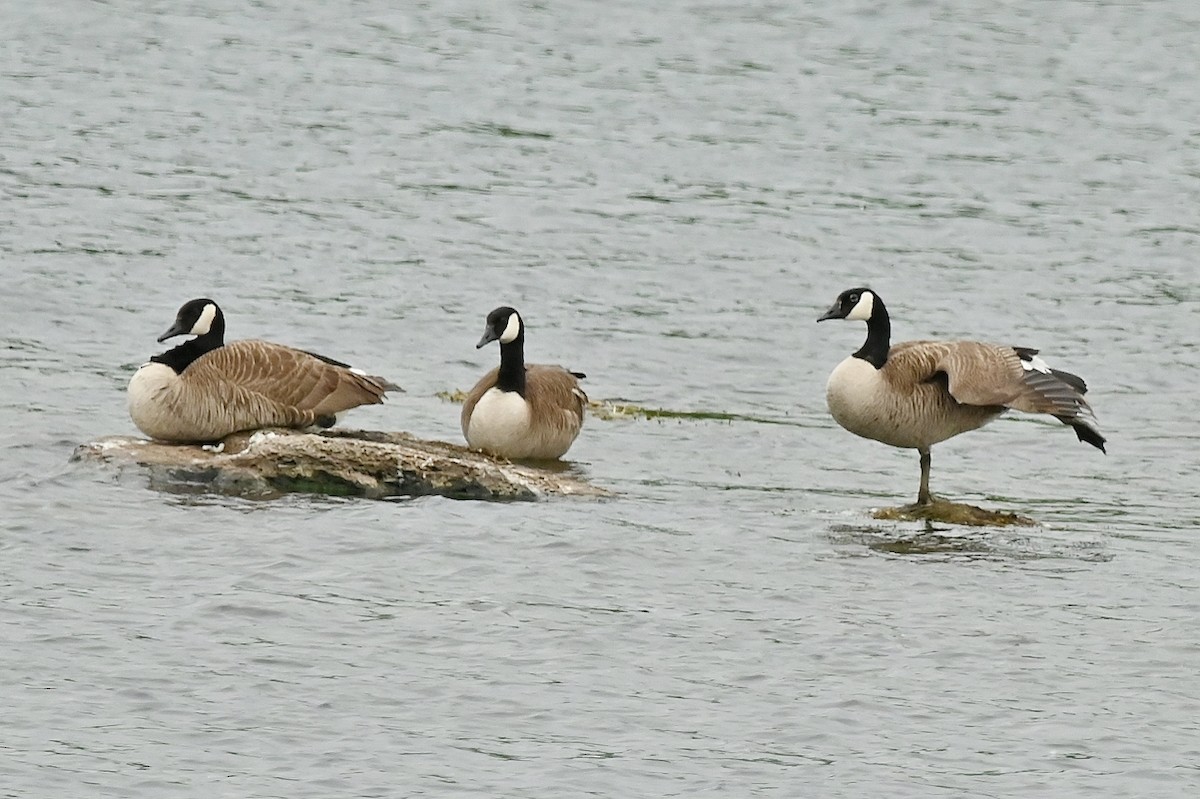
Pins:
x: 941, y: 510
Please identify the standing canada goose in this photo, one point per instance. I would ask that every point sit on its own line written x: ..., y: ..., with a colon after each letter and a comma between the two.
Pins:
x: 205, y: 389
x: 518, y: 410
x: 918, y: 393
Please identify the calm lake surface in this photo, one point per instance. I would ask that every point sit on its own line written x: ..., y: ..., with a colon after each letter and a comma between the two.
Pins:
x: 671, y: 193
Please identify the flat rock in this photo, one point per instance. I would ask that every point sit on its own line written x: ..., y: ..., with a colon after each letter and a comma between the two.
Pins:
x: 953, y: 513
x: 362, y: 463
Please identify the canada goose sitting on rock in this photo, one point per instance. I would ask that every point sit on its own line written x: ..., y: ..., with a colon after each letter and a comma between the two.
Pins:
x: 205, y: 389
x: 917, y: 393
x: 518, y: 410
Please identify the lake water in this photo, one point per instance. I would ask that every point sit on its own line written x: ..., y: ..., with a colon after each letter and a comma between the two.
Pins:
x: 671, y: 193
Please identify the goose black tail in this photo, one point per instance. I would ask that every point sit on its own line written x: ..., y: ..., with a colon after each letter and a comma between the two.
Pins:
x: 1087, y: 432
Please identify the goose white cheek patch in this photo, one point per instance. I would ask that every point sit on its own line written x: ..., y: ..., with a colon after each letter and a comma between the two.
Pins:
x: 204, y: 323
x: 861, y: 312
x: 511, y: 330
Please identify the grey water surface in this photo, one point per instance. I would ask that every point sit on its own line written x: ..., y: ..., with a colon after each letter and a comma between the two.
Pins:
x: 672, y: 193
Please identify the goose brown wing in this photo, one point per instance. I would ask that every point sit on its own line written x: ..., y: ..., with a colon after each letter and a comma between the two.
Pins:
x: 1014, y: 377
x: 554, y: 394
x: 288, y: 377
x: 976, y: 373
x: 911, y: 364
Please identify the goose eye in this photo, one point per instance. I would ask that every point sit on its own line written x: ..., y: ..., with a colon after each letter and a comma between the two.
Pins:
x: 853, y: 298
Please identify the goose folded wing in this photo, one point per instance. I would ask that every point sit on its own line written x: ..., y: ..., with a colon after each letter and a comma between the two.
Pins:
x: 993, y: 374
x: 554, y: 394
x: 975, y: 373
x: 291, y: 377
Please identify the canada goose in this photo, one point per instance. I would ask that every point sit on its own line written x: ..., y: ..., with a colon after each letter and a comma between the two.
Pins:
x: 204, y: 389
x: 520, y: 410
x: 918, y: 393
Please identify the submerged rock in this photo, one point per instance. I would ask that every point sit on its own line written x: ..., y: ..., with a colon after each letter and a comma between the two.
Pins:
x: 953, y: 513
x: 361, y: 463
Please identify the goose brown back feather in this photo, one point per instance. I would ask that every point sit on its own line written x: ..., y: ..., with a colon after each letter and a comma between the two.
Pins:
x: 284, y: 377
x: 981, y: 374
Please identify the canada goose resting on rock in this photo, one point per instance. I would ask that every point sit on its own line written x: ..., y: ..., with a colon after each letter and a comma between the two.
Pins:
x: 917, y: 393
x: 518, y: 410
x: 205, y: 389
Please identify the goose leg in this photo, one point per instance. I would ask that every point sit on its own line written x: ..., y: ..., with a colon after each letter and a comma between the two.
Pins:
x: 923, y: 496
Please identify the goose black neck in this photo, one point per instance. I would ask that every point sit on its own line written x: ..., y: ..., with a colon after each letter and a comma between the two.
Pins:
x: 879, y: 336
x: 512, y: 365
x: 182, y: 356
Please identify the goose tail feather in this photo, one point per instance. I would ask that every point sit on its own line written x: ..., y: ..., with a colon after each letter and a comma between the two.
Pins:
x: 1086, y: 429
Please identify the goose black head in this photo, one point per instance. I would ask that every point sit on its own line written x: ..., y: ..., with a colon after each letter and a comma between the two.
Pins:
x: 852, y: 304
x: 503, y: 325
x: 199, y: 317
